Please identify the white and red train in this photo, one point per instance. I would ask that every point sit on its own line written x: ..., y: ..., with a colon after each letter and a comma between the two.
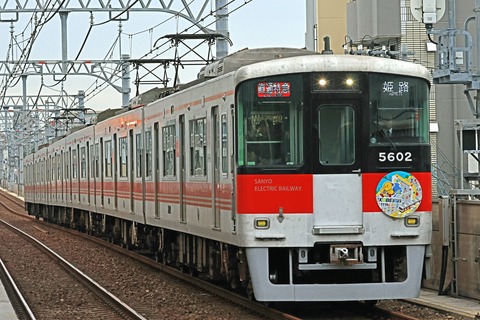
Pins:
x: 299, y: 176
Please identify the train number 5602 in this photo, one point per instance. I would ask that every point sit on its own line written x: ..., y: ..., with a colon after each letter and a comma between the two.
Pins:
x: 394, y: 156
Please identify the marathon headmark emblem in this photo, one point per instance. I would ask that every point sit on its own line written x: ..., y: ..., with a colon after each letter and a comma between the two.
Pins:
x: 398, y: 194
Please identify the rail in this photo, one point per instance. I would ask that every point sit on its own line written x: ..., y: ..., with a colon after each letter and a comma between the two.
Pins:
x: 19, y: 304
x: 111, y: 300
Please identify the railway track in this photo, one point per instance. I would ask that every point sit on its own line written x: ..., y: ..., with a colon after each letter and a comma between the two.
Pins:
x: 256, y: 310
x: 106, y: 304
x: 21, y: 307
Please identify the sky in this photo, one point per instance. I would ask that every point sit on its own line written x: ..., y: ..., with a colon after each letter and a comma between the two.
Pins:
x: 255, y: 24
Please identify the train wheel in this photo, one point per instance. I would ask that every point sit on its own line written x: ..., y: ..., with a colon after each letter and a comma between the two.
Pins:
x: 183, y: 268
x: 164, y: 258
x: 234, y: 283
x: 192, y: 270
x: 249, y: 291
x: 232, y: 279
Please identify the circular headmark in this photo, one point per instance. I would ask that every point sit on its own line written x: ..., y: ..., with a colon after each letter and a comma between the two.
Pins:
x: 398, y: 194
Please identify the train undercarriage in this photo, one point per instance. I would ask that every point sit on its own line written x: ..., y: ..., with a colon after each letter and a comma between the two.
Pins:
x: 191, y: 254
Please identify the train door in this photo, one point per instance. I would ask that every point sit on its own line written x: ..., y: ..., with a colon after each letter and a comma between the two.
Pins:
x: 61, y: 178
x: 94, y: 170
x: 78, y: 160
x: 102, y: 174
x: 131, y: 170
x: 53, y: 179
x: 115, y: 161
x: 181, y: 139
x: 87, y: 174
x: 156, y: 179
x: 228, y: 135
x: 336, y: 166
x: 215, y: 166
x: 70, y: 174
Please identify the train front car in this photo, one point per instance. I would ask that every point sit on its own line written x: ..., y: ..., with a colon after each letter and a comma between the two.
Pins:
x: 333, y: 179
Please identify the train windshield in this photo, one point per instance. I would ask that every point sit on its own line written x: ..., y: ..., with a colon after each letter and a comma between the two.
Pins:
x: 398, y: 110
x: 270, y: 126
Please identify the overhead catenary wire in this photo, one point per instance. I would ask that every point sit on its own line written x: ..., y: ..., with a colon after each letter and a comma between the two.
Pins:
x: 46, y: 16
x: 20, y: 64
x: 104, y: 86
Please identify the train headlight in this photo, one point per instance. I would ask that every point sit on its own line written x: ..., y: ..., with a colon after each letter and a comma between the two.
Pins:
x: 262, y: 223
x: 412, y: 221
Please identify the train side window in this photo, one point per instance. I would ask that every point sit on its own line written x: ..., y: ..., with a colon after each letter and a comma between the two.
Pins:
x: 60, y: 166
x: 47, y: 178
x: 108, y: 158
x: 67, y: 165
x: 148, y: 153
x: 138, y: 154
x: 168, y: 135
x: 224, y: 133
x: 83, y: 163
x: 97, y: 160
x: 92, y: 161
x: 74, y: 163
x: 336, y: 134
x: 123, y: 147
x: 52, y: 169
x: 198, y: 147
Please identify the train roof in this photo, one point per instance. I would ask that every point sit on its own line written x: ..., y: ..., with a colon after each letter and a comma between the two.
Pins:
x: 282, y: 60
x: 247, y: 56
x: 331, y: 63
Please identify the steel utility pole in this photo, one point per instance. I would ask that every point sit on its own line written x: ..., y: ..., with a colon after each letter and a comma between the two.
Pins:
x: 455, y: 66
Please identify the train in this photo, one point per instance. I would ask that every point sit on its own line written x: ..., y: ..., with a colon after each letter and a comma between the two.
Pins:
x: 289, y: 174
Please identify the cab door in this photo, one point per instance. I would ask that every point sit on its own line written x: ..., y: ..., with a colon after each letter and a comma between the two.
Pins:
x: 336, y: 167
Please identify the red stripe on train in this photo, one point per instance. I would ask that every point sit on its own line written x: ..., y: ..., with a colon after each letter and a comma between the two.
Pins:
x: 292, y: 193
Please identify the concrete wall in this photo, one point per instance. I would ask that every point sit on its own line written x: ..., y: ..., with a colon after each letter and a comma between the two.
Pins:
x: 12, y: 187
